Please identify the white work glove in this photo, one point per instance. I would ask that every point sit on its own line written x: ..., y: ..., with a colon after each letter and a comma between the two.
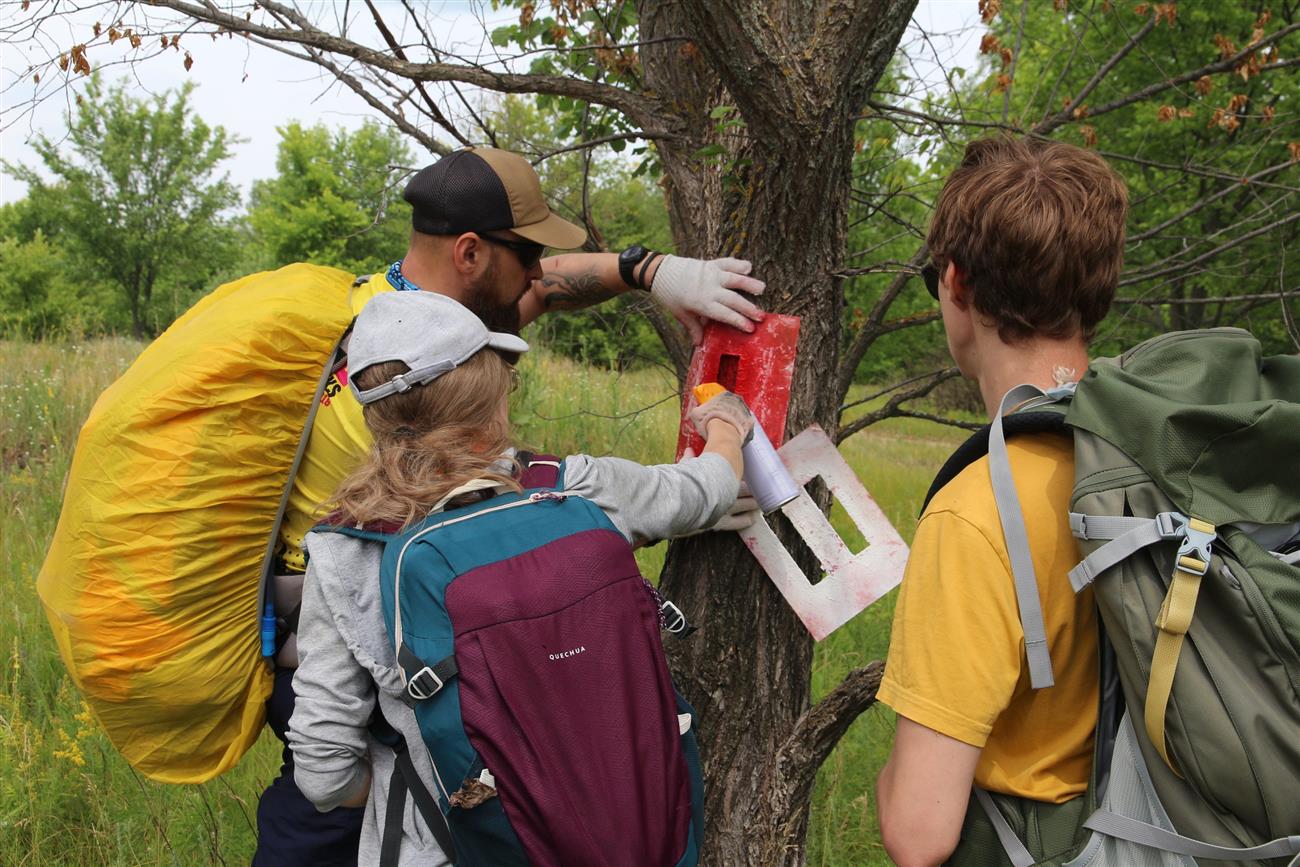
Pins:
x: 695, y: 291
x: 743, y: 513
x: 729, y: 407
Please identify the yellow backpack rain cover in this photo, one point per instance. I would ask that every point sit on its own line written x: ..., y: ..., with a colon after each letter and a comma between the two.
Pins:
x: 152, y: 580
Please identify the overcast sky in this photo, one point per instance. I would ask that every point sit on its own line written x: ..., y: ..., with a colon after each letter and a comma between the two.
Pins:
x: 250, y: 91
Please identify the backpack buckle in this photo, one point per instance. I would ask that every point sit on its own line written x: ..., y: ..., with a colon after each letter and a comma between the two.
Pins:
x: 1197, y: 536
x: 424, y: 684
x: 1194, y: 553
x: 674, y: 619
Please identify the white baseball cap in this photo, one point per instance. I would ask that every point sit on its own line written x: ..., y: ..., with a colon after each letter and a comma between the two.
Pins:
x: 429, y: 333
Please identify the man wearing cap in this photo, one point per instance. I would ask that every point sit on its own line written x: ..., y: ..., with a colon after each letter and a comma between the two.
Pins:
x: 480, y: 227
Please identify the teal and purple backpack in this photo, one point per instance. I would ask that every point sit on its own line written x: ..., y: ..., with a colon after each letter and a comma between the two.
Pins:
x: 530, y: 648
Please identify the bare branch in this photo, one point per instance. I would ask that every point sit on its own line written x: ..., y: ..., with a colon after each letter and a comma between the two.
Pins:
x: 884, y: 391
x: 1015, y: 58
x: 865, y: 337
x: 670, y: 333
x: 938, y: 419
x: 893, y: 406
x: 1221, y: 299
x: 1151, y: 90
x: 1190, y: 169
x: 400, y: 54
x: 1066, y: 114
x: 606, y: 139
x: 1209, y: 200
x: 939, y: 122
x: 360, y: 89
x: 1144, y: 276
x: 636, y: 106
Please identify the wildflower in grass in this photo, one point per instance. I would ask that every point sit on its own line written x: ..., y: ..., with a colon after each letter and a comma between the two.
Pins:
x: 85, y: 721
x: 71, y: 750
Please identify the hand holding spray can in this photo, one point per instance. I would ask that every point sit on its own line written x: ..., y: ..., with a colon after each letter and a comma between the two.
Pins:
x: 765, y: 475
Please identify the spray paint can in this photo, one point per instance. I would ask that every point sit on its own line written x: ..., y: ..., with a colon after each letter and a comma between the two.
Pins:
x: 765, y: 474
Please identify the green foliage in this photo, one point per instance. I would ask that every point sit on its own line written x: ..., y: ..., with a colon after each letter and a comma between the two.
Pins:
x: 39, y: 298
x: 893, y: 180
x: 336, y: 200
x: 137, y: 202
x: 583, y: 38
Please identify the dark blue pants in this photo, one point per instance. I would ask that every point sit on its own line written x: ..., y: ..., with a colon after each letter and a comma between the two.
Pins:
x: 290, y: 830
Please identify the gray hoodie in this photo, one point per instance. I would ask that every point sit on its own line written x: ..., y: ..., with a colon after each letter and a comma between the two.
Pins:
x: 346, y: 657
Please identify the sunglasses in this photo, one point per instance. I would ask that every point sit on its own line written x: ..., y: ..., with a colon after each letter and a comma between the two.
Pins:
x: 528, y: 253
x: 930, y: 274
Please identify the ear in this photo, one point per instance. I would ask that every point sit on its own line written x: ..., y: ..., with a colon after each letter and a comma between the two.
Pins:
x: 469, y: 253
x: 958, y: 287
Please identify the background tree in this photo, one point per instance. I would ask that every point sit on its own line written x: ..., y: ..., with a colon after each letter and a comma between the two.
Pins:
x: 137, y: 196
x: 336, y: 199
x: 764, y: 118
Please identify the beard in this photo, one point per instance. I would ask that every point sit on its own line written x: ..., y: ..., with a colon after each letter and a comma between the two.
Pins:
x: 486, y: 302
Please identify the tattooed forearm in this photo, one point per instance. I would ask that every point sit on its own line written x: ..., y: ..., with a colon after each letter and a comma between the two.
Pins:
x: 571, y: 291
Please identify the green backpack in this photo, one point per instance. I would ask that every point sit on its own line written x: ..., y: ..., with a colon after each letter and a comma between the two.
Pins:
x: 1186, y: 504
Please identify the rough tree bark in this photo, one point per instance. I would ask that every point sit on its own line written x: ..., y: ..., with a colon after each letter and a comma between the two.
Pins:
x: 798, y: 74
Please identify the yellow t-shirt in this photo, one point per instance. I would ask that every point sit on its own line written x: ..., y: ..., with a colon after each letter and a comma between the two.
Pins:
x: 338, y: 442
x: 957, y: 652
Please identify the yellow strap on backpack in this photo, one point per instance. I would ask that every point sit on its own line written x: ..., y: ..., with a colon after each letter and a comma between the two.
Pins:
x: 1172, y: 623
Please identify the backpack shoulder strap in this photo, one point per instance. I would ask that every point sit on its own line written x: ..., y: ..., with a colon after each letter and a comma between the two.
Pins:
x: 1034, y: 416
x: 977, y: 445
x: 265, y: 586
x: 541, y: 471
x: 1017, y: 537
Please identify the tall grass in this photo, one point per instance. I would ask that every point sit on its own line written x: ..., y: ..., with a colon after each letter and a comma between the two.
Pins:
x: 66, y: 797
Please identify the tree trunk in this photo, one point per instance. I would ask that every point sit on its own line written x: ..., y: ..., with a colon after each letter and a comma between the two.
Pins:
x: 798, y: 74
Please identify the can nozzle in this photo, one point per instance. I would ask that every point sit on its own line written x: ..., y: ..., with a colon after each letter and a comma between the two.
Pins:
x: 707, y: 391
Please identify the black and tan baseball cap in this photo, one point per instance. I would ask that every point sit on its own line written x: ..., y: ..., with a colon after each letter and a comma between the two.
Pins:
x: 485, y: 190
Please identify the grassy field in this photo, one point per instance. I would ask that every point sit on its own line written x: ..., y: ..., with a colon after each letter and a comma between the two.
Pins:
x: 66, y: 798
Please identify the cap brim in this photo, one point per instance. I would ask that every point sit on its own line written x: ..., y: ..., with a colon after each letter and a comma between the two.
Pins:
x: 506, y: 342
x: 553, y: 232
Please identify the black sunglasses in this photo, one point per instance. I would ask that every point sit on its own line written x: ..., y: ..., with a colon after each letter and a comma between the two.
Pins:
x: 930, y: 274
x: 528, y: 253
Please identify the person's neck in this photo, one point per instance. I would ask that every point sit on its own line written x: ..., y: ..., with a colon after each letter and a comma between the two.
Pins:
x: 1044, y: 362
x: 424, y: 272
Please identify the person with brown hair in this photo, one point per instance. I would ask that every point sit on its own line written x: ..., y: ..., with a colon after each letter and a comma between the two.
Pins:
x: 435, y: 385
x: 1026, y: 246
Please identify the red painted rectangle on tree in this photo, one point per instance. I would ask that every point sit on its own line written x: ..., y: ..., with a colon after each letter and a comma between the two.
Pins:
x: 758, y: 366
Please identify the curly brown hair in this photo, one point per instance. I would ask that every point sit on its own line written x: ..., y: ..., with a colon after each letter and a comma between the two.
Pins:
x: 428, y: 441
x: 1037, y: 228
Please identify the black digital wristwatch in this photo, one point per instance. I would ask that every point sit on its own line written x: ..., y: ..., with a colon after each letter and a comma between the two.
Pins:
x: 627, y: 262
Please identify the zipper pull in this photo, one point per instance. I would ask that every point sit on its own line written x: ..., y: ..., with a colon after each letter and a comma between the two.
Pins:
x: 539, y: 496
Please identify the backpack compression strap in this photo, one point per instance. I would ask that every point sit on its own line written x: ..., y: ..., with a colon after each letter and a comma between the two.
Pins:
x: 1128, y: 536
x: 406, y: 779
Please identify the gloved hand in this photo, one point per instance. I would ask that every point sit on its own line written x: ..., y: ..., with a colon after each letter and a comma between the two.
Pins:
x: 743, y: 513
x: 695, y: 291
x: 729, y: 407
